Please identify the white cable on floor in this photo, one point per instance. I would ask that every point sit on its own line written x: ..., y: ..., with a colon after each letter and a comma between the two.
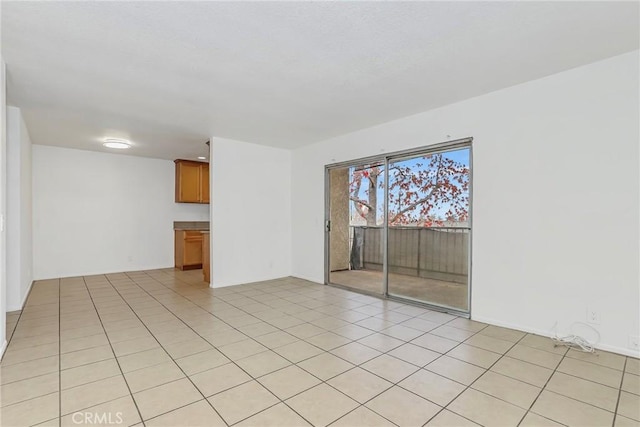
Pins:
x: 574, y: 340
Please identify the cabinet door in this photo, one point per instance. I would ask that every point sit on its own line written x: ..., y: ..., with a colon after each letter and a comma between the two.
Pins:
x: 206, y: 263
x: 193, y: 251
x: 204, y: 185
x: 188, y: 182
x: 178, y: 248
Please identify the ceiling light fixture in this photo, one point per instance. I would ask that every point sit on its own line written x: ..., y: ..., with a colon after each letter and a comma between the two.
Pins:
x: 118, y: 143
x: 202, y: 158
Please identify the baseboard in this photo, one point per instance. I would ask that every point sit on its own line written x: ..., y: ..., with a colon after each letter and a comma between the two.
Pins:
x: 24, y: 299
x: 619, y: 350
x: 605, y: 347
x: 2, y: 349
x: 546, y: 333
x: 189, y: 267
x: 236, y: 283
x: 307, y: 278
x: 128, y: 269
x: 26, y: 295
x: 224, y: 285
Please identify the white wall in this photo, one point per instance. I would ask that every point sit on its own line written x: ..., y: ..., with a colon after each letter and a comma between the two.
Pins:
x: 97, y: 213
x: 251, y: 212
x: 3, y: 186
x: 19, y: 236
x: 555, y: 192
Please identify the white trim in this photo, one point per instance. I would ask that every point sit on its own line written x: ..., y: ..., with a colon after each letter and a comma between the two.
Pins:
x: 24, y: 299
x: 26, y: 295
x: 3, y: 348
x: 605, y: 347
x: 104, y: 273
x: 235, y: 283
x: 308, y: 279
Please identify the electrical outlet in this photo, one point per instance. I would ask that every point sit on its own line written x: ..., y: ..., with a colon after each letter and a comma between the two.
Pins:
x: 634, y: 342
x: 593, y: 316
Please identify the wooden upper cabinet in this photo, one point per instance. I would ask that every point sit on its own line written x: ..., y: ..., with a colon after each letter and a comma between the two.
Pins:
x: 192, y: 182
x: 187, y: 182
x: 204, y: 187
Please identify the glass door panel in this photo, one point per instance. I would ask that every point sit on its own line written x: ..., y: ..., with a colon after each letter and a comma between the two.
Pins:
x: 429, y: 227
x: 355, y: 228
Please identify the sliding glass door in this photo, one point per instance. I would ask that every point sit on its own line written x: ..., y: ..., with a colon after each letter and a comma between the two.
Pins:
x: 428, y: 244
x: 355, y: 216
x: 400, y: 225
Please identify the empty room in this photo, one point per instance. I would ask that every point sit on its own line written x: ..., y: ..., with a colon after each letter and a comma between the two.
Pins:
x: 320, y: 213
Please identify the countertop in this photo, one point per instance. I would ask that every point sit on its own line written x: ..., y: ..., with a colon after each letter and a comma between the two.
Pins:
x: 191, y: 225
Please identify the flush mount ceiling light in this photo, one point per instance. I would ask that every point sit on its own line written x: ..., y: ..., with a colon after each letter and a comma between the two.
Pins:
x: 204, y: 157
x: 118, y: 143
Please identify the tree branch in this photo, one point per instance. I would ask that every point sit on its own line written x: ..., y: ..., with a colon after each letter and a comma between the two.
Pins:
x: 413, y: 205
x: 362, y: 202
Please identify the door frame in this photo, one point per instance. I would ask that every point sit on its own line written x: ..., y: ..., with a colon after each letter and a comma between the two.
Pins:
x: 386, y: 158
x: 327, y: 219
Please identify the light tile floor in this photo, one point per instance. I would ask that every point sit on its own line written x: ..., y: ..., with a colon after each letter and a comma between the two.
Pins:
x: 159, y: 348
x: 434, y: 291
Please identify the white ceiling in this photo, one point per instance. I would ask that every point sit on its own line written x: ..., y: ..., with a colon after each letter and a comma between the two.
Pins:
x: 168, y: 75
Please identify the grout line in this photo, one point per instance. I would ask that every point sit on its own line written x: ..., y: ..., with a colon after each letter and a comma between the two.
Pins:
x: 234, y: 362
x: 161, y: 346
x: 30, y: 378
x: 325, y: 314
x: 615, y: 413
x: 181, y: 407
x: 28, y: 399
x: 328, y: 351
x: 251, y: 376
x: 285, y: 295
x: 112, y: 350
x: 566, y: 355
x: 544, y: 387
x: 373, y: 332
x: 480, y: 376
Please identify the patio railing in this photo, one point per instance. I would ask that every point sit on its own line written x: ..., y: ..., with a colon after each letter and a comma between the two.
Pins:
x: 439, y: 253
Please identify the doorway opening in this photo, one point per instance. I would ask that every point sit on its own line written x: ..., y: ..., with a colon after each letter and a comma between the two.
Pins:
x: 399, y: 225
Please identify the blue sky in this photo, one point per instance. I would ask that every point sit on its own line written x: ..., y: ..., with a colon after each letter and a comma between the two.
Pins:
x: 460, y: 156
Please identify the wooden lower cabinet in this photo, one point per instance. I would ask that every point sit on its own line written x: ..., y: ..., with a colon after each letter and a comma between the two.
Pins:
x: 206, y: 264
x: 188, y: 249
